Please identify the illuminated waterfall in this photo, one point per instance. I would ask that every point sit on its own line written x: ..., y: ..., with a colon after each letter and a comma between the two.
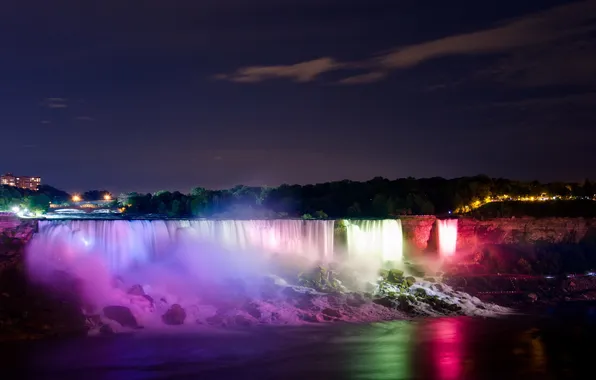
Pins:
x: 124, y: 243
x: 447, y: 237
x: 382, y: 239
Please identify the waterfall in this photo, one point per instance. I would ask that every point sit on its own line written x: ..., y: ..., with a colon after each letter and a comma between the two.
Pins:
x: 382, y: 239
x: 447, y: 236
x: 125, y: 243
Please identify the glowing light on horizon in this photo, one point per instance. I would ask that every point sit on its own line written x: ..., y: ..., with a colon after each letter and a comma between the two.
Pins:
x: 76, y: 198
x: 376, y: 238
x: 447, y: 237
x: 107, y: 197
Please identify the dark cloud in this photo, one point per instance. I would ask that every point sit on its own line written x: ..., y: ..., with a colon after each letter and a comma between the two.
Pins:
x: 527, y: 39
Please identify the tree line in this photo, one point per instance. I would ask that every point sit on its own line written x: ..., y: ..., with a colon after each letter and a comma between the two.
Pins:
x: 376, y: 198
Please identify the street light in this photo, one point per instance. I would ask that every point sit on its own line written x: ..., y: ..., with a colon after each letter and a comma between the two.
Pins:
x: 107, y: 197
x: 76, y: 198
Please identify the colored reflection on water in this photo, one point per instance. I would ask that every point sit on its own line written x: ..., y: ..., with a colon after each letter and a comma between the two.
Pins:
x: 385, y: 352
x: 442, y: 348
x: 447, y: 348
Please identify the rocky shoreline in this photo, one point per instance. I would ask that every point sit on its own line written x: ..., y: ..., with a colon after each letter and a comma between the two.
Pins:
x: 31, y: 311
x: 321, y: 295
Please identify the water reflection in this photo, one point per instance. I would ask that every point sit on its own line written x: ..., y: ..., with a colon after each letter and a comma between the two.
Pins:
x: 449, y: 348
x: 384, y: 353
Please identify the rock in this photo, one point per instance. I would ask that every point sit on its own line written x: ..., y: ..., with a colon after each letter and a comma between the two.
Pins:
x: 533, y: 297
x: 216, y: 320
x: 313, y: 318
x: 290, y: 292
x: 106, y: 330
x: 395, y: 276
x: 385, y: 301
x: 438, y: 287
x: 242, y: 320
x: 356, y: 300
x: 93, y: 321
x: 150, y: 299
x: 411, y: 281
x: 122, y: 315
x: 136, y: 290
x: 419, y: 292
x: 331, y: 313
x: 174, y: 316
x: 337, y: 299
x: 252, y: 309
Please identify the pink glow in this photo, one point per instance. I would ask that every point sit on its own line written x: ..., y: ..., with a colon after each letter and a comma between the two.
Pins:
x: 447, y: 351
x: 447, y: 236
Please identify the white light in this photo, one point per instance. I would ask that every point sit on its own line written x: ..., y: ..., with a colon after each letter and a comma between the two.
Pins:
x: 16, y: 209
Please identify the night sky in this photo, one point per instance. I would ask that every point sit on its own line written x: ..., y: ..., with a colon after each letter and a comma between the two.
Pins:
x: 149, y: 95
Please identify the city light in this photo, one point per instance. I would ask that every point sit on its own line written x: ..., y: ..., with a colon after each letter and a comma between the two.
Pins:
x: 76, y: 198
x: 107, y: 197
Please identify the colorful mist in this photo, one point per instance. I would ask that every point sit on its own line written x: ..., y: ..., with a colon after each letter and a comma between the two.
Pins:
x: 447, y: 237
x: 382, y: 239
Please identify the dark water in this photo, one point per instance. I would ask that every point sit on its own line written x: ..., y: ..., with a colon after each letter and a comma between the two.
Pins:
x: 447, y: 348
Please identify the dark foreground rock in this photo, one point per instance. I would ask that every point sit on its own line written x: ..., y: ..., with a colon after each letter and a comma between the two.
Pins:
x: 122, y: 315
x: 32, y: 311
x: 175, y: 315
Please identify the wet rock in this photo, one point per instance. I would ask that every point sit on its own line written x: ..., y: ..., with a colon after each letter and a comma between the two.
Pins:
x: 411, y: 281
x: 291, y: 293
x: 106, y: 330
x: 533, y: 297
x: 438, y: 287
x: 253, y: 310
x: 136, y: 290
x: 337, y: 299
x: 216, y: 320
x: 385, y: 301
x: 122, y: 315
x: 174, y: 316
x: 331, y: 313
x: 244, y: 321
x: 150, y: 299
x: 356, y: 300
x: 93, y: 321
x: 312, y: 318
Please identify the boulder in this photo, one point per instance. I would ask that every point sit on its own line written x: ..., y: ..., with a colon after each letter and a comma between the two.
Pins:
x: 106, y: 330
x: 122, y: 315
x: 252, y: 309
x: 136, y: 290
x: 244, y: 321
x: 175, y: 315
x: 356, y: 300
x: 331, y: 313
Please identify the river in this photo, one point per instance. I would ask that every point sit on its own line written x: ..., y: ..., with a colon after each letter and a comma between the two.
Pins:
x: 441, y: 348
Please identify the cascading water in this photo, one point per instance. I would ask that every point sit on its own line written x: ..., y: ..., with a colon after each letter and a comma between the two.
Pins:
x: 447, y: 236
x: 381, y: 239
x: 125, y: 243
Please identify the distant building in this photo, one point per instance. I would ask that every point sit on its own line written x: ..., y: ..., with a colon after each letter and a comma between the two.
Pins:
x: 28, y: 183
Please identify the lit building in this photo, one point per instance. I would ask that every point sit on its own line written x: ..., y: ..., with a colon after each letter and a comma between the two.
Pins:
x: 28, y: 183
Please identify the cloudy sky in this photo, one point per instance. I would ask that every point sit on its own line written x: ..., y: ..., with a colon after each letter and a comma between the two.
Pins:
x: 148, y: 95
